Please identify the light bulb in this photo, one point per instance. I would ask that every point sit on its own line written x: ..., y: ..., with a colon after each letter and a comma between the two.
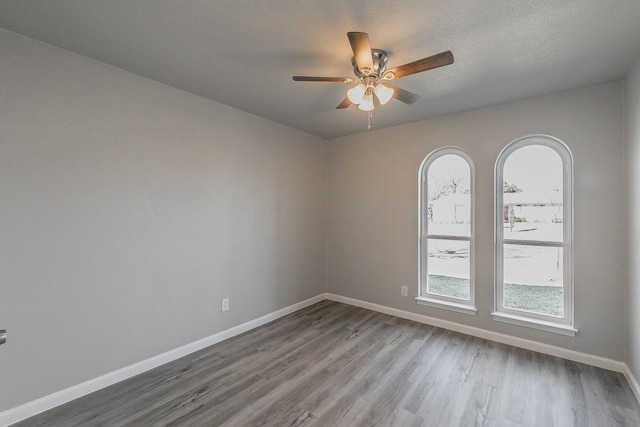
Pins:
x: 384, y: 93
x: 356, y: 93
x: 367, y: 101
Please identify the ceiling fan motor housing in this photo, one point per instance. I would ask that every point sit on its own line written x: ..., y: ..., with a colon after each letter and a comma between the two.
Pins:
x: 380, y: 58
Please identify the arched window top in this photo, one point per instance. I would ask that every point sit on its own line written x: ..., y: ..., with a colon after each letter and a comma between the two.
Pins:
x: 443, y: 151
x: 536, y: 140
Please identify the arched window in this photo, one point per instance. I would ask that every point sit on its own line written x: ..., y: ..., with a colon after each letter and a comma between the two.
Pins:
x: 534, y: 234
x: 446, y: 231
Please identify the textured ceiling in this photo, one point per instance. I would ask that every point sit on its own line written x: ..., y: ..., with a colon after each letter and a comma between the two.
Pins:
x: 243, y: 52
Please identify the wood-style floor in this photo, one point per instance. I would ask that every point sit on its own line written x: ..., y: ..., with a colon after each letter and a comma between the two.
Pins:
x: 333, y: 364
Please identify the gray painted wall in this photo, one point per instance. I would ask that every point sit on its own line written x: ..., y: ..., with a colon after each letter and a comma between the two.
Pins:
x: 373, y: 195
x: 632, y: 156
x: 129, y: 209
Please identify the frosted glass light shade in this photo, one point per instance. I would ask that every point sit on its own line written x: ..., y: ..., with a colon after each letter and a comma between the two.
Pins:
x: 367, y: 102
x: 384, y: 93
x: 356, y: 93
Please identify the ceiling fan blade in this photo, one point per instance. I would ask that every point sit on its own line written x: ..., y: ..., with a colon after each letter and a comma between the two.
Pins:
x: 323, y: 79
x: 424, y: 64
x: 344, y: 104
x: 361, y: 50
x: 402, y: 94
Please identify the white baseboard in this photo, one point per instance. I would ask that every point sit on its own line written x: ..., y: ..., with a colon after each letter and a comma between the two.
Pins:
x: 50, y: 401
x: 633, y: 382
x: 576, y: 356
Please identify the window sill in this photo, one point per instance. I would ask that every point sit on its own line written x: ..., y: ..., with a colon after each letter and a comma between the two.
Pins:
x: 446, y: 305
x: 556, y: 328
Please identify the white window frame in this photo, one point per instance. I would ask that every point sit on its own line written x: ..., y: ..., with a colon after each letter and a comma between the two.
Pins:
x: 564, y: 325
x: 425, y: 298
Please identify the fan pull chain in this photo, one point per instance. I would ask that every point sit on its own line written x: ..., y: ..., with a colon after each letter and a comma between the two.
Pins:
x: 369, y: 121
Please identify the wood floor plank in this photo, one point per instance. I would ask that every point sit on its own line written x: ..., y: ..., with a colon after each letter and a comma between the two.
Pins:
x: 353, y: 396
x: 287, y: 369
x: 332, y: 364
x: 340, y: 369
x: 299, y: 379
x: 477, y: 411
x: 320, y: 373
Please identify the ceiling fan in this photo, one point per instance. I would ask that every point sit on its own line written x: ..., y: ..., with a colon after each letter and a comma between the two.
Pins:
x: 372, y: 77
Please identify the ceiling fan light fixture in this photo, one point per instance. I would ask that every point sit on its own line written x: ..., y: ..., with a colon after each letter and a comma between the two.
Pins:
x: 356, y: 93
x: 384, y: 93
x: 367, y: 101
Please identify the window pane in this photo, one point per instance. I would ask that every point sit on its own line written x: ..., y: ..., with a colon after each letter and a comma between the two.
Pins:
x: 533, y: 279
x: 449, y: 268
x: 532, y: 195
x: 449, y: 198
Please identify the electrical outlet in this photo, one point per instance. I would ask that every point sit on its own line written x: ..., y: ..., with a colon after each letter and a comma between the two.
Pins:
x: 225, y: 304
x: 404, y: 291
